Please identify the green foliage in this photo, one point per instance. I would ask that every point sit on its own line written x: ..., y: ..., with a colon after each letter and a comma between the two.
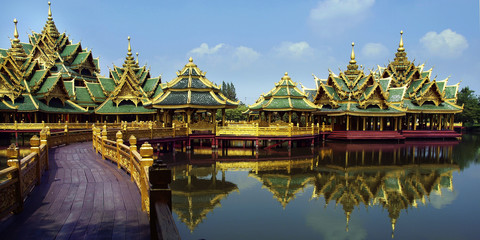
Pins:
x: 228, y: 89
x: 471, y: 110
x: 234, y: 114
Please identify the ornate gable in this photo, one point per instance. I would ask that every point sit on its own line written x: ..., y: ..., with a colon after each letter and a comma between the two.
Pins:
x: 374, y: 95
x: 429, y: 93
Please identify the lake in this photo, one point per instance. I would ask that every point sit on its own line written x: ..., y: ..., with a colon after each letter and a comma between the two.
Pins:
x: 411, y: 190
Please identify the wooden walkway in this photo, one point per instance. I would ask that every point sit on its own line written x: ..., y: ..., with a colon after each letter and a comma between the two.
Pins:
x: 80, y: 197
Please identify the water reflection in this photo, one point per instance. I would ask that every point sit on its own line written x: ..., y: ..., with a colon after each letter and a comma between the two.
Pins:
x: 393, y: 177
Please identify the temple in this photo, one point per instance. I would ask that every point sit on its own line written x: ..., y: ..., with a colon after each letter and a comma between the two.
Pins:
x: 398, y: 101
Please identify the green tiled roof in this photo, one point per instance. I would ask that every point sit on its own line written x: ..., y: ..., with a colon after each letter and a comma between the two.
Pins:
x: 150, y: 84
x: 429, y: 106
x: 125, y: 107
x: 83, y: 97
x: 174, y: 98
x: 81, y: 57
x: 47, y: 84
x: 27, y: 47
x: 196, y: 83
x: 300, y: 103
x: 278, y: 103
x: 203, y: 99
x: 182, y: 84
x: 58, y: 107
x: 3, y: 52
x: 451, y: 91
x: 69, y: 85
x: 96, y: 91
x: 441, y: 85
x: 395, y: 94
x: 69, y: 50
x: 37, y: 76
x: 107, y: 83
x: 384, y: 83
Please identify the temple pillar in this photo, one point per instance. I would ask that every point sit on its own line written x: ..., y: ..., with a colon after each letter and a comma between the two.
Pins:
x: 363, y: 125
x: 136, y: 117
x: 358, y: 123
x: 289, y: 117
x: 396, y: 124
x: 118, y: 118
x: 400, y: 124
x: 348, y: 122
x: 452, y: 121
x: 414, y: 122
x: 381, y: 123
x: 431, y: 122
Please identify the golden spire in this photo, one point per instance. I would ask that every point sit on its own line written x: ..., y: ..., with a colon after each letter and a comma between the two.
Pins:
x: 129, y: 49
x: 129, y: 60
x: 190, y: 59
x: 49, y: 11
x: 190, y: 63
x: 15, y: 32
x: 137, y: 57
x: 352, y: 55
x: 393, y: 227
x: 16, y: 49
x: 348, y: 221
x: 400, y: 46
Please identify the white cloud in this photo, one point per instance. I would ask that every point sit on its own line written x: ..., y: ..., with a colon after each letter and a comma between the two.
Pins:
x: 294, y: 50
x: 338, y: 15
x: 205, y: 50
x: 446, y: 44
x: 244, y: 56
x: 374, y: 51
x: 440, y: 201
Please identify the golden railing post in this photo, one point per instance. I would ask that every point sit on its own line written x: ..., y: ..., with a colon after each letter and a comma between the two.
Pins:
x: 66, y: 134
x: 35, y: 148
x: 323, y: 127
x: 119, y: 136
x: 43, y: 141
x: 146, y: 151
x: 104, y: 137
x: 133, y: 147
x: 93, y: 137
x: 150, y: 126
x: 173, y: 129
x: 12, y: 155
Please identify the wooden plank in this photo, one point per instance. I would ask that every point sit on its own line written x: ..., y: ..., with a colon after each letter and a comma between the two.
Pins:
x: 119, y: 226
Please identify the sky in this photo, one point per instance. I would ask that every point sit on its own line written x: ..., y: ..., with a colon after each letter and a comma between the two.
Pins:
x: 253, y: 43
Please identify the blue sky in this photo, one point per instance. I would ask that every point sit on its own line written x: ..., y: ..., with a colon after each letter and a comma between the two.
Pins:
x: 252, y: 43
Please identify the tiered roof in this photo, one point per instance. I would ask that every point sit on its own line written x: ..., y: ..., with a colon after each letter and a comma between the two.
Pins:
x: 191, y: 89
x: 399, y: 88
x: 126, y: 90
x: 285, y: 96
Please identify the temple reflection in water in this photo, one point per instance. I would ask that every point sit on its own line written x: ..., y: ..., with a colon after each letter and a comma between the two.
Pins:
x: 394, y: 177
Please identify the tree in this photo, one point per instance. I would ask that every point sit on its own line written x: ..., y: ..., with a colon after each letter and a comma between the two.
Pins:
x: 228, y: 89
x: 471, y: 108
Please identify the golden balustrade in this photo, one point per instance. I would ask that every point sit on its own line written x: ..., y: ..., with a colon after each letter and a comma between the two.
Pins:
x: 22, y: 175
x: 253, y: 129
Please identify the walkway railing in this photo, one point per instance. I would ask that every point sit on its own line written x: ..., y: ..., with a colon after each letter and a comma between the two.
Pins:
x: 152, y: 180
x: 22, y: 175
x: 253, y: 129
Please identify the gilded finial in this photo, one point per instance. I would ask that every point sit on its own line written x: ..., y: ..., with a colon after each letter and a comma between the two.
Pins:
x: 190, y: 59
x: 15, y: 32
x: 137, y: 56
x: 352, y: 55
x: 400, y: 45
x: 129, y: 49
x: 286, y: 73
x: 49, y: 11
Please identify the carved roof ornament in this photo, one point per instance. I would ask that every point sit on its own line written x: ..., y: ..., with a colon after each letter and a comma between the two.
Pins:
x: 130, y: 60
x: 352, y: 71
x: 50, y: 27
x: 17, y: 50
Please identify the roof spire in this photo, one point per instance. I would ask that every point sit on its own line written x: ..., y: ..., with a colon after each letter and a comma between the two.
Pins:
x: 16, y: 49
x: 129, y: 49
x: 400, y: 46
x: 352, y: 55
x: 137, y: 57
x: 15, y: 32
x: 50, y: 27
x: 49, y: 11
x: 129, y: 60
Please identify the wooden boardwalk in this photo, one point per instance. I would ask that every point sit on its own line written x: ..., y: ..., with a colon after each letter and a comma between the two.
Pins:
x: 80, y: 197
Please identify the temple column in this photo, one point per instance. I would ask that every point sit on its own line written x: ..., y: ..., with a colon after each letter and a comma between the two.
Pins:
x: 35, y: 117
x: 396, y: 124
x: 451, y: 121
x: 400, y: 124
x: 357, y: 120
x: 136, y: 117
x: 363, y: 125
x: 118, y: 118
x: 431, y: 122
x: 414, y: 121
x: 439, y: 124
x: 381, y: 123
x: 289, y: 117
x: 348, y: 122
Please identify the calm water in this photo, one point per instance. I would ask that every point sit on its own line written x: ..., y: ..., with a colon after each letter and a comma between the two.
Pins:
x: 416, y: 190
